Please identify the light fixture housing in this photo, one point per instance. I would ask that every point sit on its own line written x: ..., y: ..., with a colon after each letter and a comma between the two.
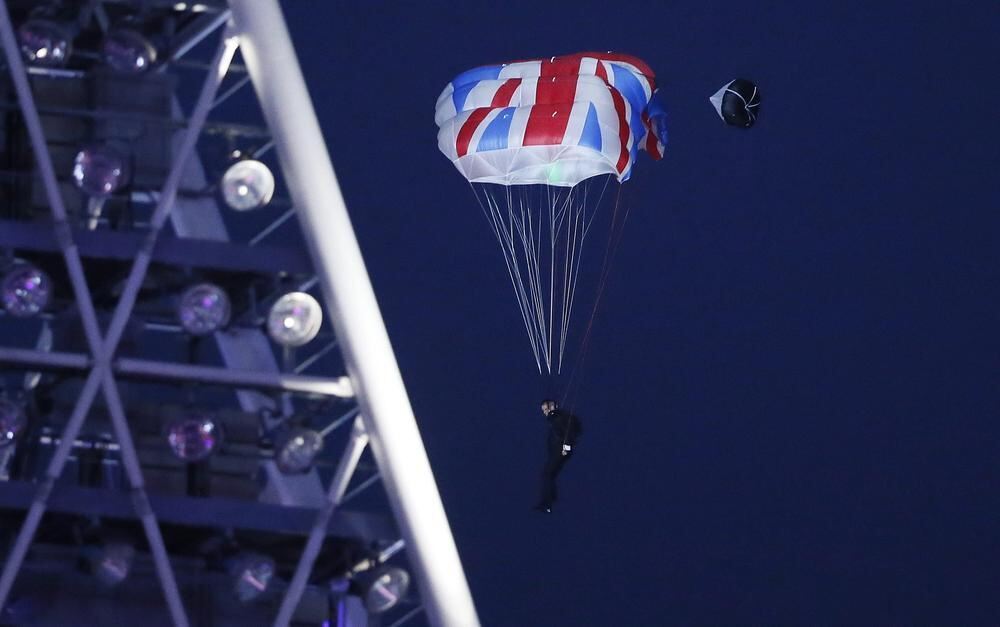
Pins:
x: 111, y: 562
x: 100, y: 170
x: 13, y: 421
x: 297, y: 450
x: 252, y: 574
x: 194, y: 436
x: 384, y: 587
x: 26, y: 290
x: 126, y: 50
x: 248, y: 184
x: 44, y: 42
x: 203, y: 308
x: 294, y: 319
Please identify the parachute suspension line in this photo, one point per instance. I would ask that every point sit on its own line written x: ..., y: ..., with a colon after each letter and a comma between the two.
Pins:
x: 491, y: 211
x: 531, y: 234
x: 526, y: 238
x: 560, y: 217
x: 569, y: 263
x: 519, y: 230
x: 552, y: 272
x: 585, y: 223
x: 617, y: 230
x: 536, y: 245
x: 579, y: 235
x: 565, y: 208
x: 517, y: 225
x: 555, y: 229
x: 551, y: 210
x: 514, y: 271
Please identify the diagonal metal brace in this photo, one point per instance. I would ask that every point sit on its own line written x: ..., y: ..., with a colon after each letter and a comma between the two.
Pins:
x: 338, y: 485
x: 101, y: 375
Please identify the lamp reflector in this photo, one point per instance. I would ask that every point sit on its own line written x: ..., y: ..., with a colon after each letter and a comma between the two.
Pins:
x: 252, y: 573
x: 298, y: 450
x: 112, y: 562
x: 193, y: 437
x: 385, y: 588
x: 44, y: 42
x: 247, y: 184
x: 127, y: 51
x: 294, y: 319
x: 204, y: 308
x: 12, y: 422
x: 99, y: 170
x: 25, y: 290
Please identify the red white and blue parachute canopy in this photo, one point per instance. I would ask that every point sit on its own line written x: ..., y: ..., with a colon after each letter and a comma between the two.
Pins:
x: 555, y: 121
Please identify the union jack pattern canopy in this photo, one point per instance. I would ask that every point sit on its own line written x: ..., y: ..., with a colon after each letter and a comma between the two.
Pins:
x: 555, y: 121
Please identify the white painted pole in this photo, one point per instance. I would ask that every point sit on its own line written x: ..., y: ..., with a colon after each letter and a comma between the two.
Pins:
x: 389, y: 421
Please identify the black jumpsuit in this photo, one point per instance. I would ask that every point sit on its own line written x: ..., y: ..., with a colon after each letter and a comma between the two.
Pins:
x: 564, y: 429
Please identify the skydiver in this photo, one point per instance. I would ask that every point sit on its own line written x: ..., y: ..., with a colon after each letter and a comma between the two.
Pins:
x: 564, y: 429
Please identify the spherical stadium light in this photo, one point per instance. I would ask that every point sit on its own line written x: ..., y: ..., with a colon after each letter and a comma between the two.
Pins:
x: 384, y: 588
x: 193, y: 437
x: 12, y: 422
x: 111, y: 563
x: 126, y: 50
x: 247, y: 184
x: 203, y: 309
x: 294, y: 319
x: 99, y: 170
x: 298, y: 450
x: 252, y: 575
x: 25, y: 290
x: 44, y: 42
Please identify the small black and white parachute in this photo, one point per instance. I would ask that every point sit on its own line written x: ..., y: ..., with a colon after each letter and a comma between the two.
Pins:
x: 737, y: 103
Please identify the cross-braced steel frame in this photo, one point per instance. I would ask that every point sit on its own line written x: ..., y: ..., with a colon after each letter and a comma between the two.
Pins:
x: 385, y: 420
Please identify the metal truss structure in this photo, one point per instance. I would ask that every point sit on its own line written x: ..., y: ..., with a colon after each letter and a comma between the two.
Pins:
x: 165, y: 229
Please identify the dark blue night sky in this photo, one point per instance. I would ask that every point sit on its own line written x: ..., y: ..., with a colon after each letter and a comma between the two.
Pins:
x: 791, y: 399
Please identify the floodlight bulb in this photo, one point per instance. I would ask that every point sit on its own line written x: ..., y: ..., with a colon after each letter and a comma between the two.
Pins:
x: 44, y: 42
x: 128, y: 51
x: 247, y: 184
x: 25, y: 291
x: 386, y: 588
x: 194, y: 437
x: 298, y: 450
x: 294, y: 319
x: 112, y: 562
x: 203, y: 309
x: 12, y: 422
x: 253, y: 575
x: 99, y: 170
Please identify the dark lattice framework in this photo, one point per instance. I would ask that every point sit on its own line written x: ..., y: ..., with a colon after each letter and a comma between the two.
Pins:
x: 108, y: 362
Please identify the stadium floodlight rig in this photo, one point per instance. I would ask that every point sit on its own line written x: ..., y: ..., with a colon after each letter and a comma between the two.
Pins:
x: 131, y: 203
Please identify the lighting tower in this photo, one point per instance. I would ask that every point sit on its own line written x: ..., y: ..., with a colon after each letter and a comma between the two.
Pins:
x: 191, y: 385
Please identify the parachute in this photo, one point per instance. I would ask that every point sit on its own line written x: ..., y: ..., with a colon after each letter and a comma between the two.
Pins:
x: 540, y: 142
x: 737, y: 103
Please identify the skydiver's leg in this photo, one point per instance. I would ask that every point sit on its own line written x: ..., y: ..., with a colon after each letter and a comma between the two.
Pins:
x: 553, y: 463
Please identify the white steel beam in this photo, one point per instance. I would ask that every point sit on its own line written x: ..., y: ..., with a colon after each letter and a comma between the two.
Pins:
x: 326, y: 386
x: 388, y: 417
x: 339, y: 387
